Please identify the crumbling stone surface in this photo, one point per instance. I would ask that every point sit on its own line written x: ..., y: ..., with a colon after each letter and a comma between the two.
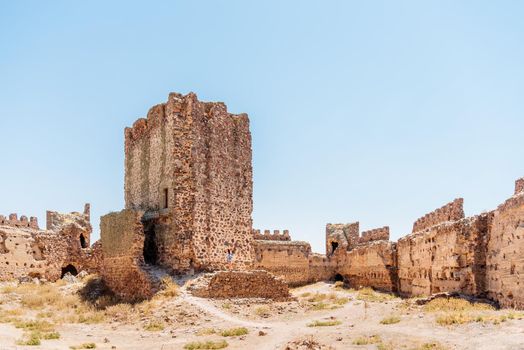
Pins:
x: 123, y: 267
x: 449, y: 257
x: 450, y: 212
x: 188, y: 167
x: 25, y: 250
x: 240, y: 284
x: 505, y: 254
x: 293, y: 261
x: 519, y: 186
x: 371, y: 265
x: 377, y: 234
x: 341, y: 237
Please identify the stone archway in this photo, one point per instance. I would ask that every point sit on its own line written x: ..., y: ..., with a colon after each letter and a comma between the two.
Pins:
x: 69, y: 268
x: 83, y: 242
x: 339, y: 278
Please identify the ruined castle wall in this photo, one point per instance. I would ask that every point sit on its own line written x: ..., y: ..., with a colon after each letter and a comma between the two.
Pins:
x: 293, y: 261
x: 378, y: 234
x: 123, y: 271
x: 268, y: 236
x: 449, y: 257
x: 519, y: 186
x: 450, y: 212
x: 341, y: 237
x: 26, y: 251
x: 505, y: 254
x: 289, y: 260
x: 371, y: 265
x: 320, y: 268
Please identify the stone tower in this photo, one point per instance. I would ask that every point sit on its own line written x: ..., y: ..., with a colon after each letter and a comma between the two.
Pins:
x: 188, y: 168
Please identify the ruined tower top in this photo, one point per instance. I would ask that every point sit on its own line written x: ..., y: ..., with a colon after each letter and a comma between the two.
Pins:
x: 519, y: 185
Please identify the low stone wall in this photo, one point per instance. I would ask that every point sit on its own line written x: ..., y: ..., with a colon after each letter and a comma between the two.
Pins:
x: 123, y: 270
x: 240, y: 284
x: 371, y: 265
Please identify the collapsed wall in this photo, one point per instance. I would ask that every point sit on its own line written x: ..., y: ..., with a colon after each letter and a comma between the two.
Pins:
x: 28, y: 251
x: 124, y: 270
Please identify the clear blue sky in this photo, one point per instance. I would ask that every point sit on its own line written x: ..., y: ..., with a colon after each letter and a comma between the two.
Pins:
x: 377, y: 111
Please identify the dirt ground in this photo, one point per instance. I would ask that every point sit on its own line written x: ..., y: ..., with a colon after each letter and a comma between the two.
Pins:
x: 347, y: 319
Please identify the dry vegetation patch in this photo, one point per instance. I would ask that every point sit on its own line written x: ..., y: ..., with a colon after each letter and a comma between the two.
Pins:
x: 368, y: 294
x: 206, y: 345
x: 324, y: 323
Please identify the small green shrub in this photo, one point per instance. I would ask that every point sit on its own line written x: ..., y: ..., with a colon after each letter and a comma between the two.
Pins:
x: 324, y: 323
x: 208, y: 345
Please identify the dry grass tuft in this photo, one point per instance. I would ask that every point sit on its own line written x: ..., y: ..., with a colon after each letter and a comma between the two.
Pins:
x: 390, y: 320
x: 234, y: 332
x: 324, y: 323
x: 169, y: 288
x: 206, y: 345
x: 368, y: 294
x: 455, y: 304
x: 262, y: 311
x: 206, y: 331
x: 154, y: 326
x: 84, y: 346
x: 373, y: 339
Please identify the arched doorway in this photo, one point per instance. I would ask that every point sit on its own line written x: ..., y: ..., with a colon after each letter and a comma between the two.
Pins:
x: 69, y: 268
x: 150, y: 248
x: 83, y: 242
x: 339, y: 278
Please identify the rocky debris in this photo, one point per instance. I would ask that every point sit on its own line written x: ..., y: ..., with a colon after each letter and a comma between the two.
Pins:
x: 308, y: 343
x: 69, y: 278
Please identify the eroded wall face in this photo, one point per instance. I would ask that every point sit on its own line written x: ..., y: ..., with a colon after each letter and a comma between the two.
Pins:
x: 122, y: 237
x: 191, y: 162
x: 449, y: 257
x: 370, y: 265
x: 27, y: 251
x: 505, y: 254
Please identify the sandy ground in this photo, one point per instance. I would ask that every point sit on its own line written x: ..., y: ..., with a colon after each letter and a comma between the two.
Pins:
x: 283, y: 325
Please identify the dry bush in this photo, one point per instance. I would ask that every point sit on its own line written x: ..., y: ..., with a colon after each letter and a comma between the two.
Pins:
x: 390, y: 320
x: 324, y: 323
x: 455, y: 304
x: 208, y: 345
x: 206, y: 331
x: 84, y: 346
x: 122, y: 312
x: 262, y: 311
x: 154, y: 326
x: 233, y: 332
x: 169, y: 288
x: 368, y: 294
x: 373, y: 339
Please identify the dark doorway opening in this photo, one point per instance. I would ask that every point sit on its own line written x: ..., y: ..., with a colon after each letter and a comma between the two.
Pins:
x: 334, y: 246
x: 339, y: 278
x: 150, y: 248
x: 69, y: 268
x: 83, y: 242
x: 166, y: 198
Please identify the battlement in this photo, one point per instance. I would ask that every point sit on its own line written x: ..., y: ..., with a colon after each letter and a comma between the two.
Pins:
x: 519, y: 185
x: 13, y: 221
x: 378, y: 234
x: 54, y: 219
x: 268, y: 236
x: 452, y: 211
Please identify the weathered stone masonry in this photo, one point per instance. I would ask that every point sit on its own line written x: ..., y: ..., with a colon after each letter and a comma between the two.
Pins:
x: 188, y: 167
x: 28, y: 251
